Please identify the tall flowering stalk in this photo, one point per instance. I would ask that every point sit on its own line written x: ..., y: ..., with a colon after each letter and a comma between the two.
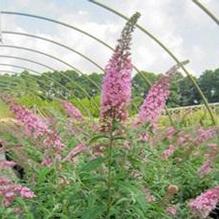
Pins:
x: 116, y: 93
x: 116, y: 87
x: 156, y: 99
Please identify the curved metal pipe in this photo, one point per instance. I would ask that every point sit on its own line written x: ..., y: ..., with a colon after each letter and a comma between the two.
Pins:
x: 11, y: 83
x: 52, y: 57
x: 76, y: 29
x: 27, y: 60
x: 38, y: 73
x: 59, y: 44
x: 34, y: 71
x: 207, y: 11
x: 8, y: 71
x: 56, y: 43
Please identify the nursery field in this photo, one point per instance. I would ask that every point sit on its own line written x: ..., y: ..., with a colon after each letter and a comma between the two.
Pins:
x: 67, y: 167
x: 110, y: 145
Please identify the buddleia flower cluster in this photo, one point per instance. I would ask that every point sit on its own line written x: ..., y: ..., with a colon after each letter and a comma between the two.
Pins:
x: 116, y: 86
x: 35, y: 126
x: 202, y: 205
x: 158, y: 94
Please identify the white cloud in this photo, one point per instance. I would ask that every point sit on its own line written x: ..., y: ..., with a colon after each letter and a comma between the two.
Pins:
x: 181, y: 25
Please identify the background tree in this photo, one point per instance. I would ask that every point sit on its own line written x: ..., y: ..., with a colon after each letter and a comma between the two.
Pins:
x: 209, y: 83
x: 183, y: 92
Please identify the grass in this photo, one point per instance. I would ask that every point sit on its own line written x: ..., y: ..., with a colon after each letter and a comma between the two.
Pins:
x: 4, y: 112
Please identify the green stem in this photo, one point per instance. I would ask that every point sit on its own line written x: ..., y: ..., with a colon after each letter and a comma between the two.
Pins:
x: 109, y: 180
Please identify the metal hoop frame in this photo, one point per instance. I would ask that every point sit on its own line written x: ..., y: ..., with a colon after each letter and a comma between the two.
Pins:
x: 49, y: 67
x: 138, y: 26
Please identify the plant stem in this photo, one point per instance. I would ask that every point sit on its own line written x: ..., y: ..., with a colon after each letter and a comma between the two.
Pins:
x: 109, y: 180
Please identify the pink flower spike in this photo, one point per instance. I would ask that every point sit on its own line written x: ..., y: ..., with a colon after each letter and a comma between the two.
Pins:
x: 33, y: 124
x: 116, y: 86
x: 168, y: 152
x: 155, y: 101
x: 144, y: 137
x: 170, y: 133
x: 9, y: 191
x: 72, y: 111
x: 26, y: 193
x: 204, y: 135
x: 47, y: 162
x: 205, y: 169
x: 205, y: 203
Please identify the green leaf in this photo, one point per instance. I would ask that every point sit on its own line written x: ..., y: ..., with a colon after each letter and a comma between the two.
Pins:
x: 97, y: 137
x: 93, y: 164
x: 136, y: 194
x: 94, y: 212
x: 119, y: 138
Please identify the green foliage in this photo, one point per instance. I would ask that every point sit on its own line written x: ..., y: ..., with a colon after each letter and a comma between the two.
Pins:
x: 209, y: 83
x: 4, y: 112
x: 139, y: 176
x: 189, y: 118
x: 70, y: 85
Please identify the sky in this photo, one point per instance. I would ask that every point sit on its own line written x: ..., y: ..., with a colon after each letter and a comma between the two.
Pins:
x: 186, y: 30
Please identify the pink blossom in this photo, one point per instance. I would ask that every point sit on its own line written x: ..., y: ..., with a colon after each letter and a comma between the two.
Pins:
x: 116, y: 87
x: 168, y: 152
x: 4, y: 164
x: 47, y: 161
x: 205, y: 169
x: 33, y: 124
x: 172, y: 210
x: 149, y: 196
x: 170, y: 132
x: 9, y: 191
x: 26, y: 193
x: 204, y: 135
x: 183, y: 138
x: 213, y: 146
x: 205, y: 203
x: 155, y: 101
x: 72, y: 111
x: 144, y: 137
x: 75, y: 151
x: 53, y: 140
